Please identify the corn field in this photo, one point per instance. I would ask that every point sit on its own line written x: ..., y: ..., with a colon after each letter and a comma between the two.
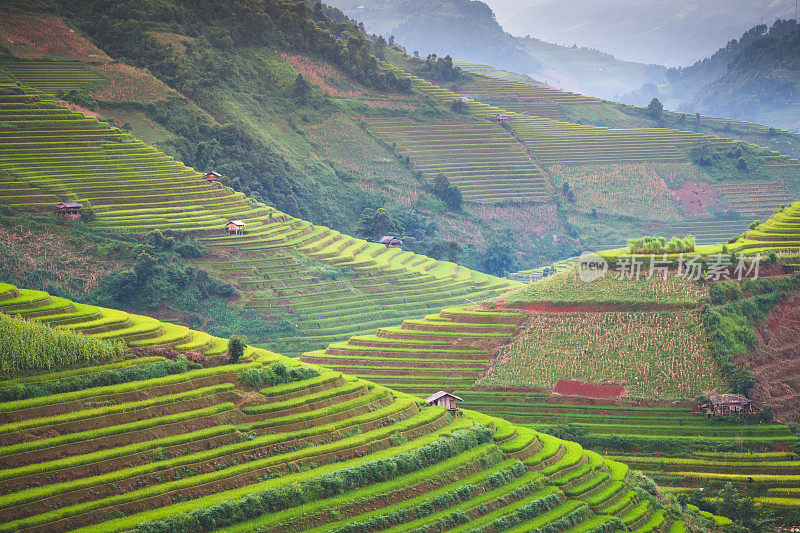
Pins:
x: 567, y: 287
x: 653, y: 354
x: 26, y: 346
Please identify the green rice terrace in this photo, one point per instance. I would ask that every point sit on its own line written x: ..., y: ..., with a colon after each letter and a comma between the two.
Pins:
x: 613, y: 364
x: 50, y: 77
x: 482, y: 159
x: 286, y: 267
x: 118, y: 441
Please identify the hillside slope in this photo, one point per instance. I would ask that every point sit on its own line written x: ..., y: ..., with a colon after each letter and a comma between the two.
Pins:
x: 274, y: 445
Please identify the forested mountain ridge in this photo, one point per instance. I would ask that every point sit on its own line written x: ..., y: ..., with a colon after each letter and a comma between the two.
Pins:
x: 754, y: 78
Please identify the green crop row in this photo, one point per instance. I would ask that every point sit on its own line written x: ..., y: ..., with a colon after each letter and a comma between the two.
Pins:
x: 722, y: 467
x: 103, y: 455
x: 53, y: 376
x: 123, y: 387
x: 276, y: 495
x: 525, y: 437
x: 113, y: 430
x: 374, y: 395
x: 487, y: 456
x: 515, y: 513
x: 641, y: 509
x: 288, y: 388
x: 527, y: 485
x: 305, y: 399
x: 573, y: 456
x: 199, y: 479
x: 588, y: 485
x: 428, y: 504
x: 73, y: 416
x: 84, y: 378
x: 559, y: 518
x: 221, y: 451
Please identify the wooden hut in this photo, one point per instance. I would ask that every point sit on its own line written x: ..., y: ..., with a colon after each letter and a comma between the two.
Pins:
x: 446, y: 400
x: 501, y: 118
x: 70, y: 210
x: 390, y: 241
x: 212, y: 176
x: 235, y: 227
x: 727, y: 405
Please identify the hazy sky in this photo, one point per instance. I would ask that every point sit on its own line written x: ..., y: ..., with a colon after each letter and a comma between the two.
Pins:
x: 675, y: 32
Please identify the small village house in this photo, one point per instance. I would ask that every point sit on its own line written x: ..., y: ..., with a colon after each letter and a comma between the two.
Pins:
x: 212, y: 176
x: 235, y: 227
x: 70, y: 210
x: 446, y: 400
x: 501, y: 118
x: 390, y: 241
x: 727, y: 405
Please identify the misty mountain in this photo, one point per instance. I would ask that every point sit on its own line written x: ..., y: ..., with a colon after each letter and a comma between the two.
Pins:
x: 761, y: 82
x: 755, y: 78
x: 468, y: 31
x: 674, y: 33
x: 464, y: 29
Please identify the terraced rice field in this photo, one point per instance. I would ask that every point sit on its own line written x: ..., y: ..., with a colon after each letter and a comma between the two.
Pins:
x: 536, y: 274
x: 653, y: 431
x: 482, y: 159
x: 554, y: 142
x: 228, y: 446
x: 135, y: 330
x: 754, y: 199
x: 712, y: 231
x: 62, y: 155
x: 520, y: 97
x: 449, y: 349
x: 50, y: 77
x: 780, y: 232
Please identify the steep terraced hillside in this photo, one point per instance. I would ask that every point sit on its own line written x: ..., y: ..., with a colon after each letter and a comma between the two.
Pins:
x: 272, y: 445
x: 327, y: 284
x: 520, y: 97
x: 613, y: 364
x: 779, y: 232
x: 552, y: 142
x: 482, y: 159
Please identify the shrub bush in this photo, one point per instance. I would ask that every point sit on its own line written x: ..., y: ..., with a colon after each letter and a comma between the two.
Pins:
x: 659, y: 245
x: 277, y: 373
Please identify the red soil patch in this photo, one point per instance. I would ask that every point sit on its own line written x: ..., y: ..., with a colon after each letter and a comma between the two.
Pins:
x: 590, y: 390
x: 696, y: 197
x: 323, y: 75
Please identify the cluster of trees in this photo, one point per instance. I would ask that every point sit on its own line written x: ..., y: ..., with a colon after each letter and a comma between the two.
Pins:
x: 122, y: 28
x: 447, y: 192
x: 709, y: 155
x: 439, y: 69
x: 160, y: 276
x: 659, y: 245
x: 375, y: 223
